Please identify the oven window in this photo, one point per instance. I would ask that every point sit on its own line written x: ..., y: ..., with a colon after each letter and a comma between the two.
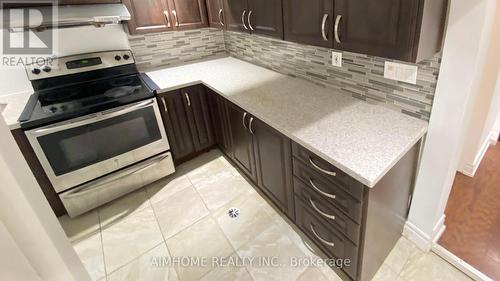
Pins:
x: 78, y: 147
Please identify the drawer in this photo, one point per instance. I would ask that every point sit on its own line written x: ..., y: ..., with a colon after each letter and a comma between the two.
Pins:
x: 333, y: 243
x: 328, y: 171
x: 323, y: 208
x: 329, y: 191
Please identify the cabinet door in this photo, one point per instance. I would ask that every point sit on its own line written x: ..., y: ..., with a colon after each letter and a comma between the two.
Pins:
x: 215, y: 12
x: 377, y: 27
x: 273, y: 157
x: 188, y: 14
x: 176, y: 125
x: 243, y: 154
x: 265, y: 17
x: 236, y: 12
x: 221, y: 122
x: 309, y: 22
x: 199, y: 117
x: 148, y: 16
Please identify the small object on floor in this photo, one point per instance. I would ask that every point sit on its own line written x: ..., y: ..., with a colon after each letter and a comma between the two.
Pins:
x: 233, y: 213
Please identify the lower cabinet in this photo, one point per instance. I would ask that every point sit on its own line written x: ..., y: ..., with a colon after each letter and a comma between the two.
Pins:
x: 242, y: 140
x: 188, y: 122
x: 348, y: 221
x: 273, y: 157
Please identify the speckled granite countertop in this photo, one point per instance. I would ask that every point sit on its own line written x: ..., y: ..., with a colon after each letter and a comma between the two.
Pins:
x: 363, y: 140
x: 13, y: 107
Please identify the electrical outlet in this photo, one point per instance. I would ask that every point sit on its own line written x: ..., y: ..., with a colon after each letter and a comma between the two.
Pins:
x: 337, y: 59
x: 401, y: 72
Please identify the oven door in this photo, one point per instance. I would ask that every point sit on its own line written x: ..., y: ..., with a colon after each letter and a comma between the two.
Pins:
x: 79, y: 150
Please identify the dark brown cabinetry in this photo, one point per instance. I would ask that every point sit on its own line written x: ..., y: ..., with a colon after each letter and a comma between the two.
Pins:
x: 215, y: 10
x: 273, y: 157
x: 408, y: 30
x: 389, y: 28
x: 220, y: 122
x: 164, y: 15
x: 188, y: 122
x: 148, y: 16
x: 309, y: 22
x: 188, y: 14
x: 242, y: 140
x: 263, y: 17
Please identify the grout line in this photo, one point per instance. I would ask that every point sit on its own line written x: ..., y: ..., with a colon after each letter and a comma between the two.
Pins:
x: 102, y: 244
x: 135, y: 259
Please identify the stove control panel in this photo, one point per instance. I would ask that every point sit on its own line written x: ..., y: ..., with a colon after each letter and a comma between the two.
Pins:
x: 79, y: 63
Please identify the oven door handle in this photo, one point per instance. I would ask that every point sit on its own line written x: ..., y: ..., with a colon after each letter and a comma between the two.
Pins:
x: 94, y: 118
x: 98, y: 184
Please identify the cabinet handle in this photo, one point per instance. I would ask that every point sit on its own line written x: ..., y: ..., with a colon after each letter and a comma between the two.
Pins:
x: 176, y: 19
x: 188, y: 99
x: 167, y: 17
x: 321, y: 169
x: 331, y: 244
x: 244, y: 117
x: 337, y: 23
x: 220, y: 17
x: 332, y: 217
x: 243, y: 19
x: 165, y: 104
x: 249, y: 23
x: 323, y: 27
x: 250, y: 126
x: 332, y: 196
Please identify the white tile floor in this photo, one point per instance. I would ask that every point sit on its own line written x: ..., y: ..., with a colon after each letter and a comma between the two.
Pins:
x: 185, y: 215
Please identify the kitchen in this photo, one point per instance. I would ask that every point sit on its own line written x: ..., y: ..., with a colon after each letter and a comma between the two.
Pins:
x: 277, y: 129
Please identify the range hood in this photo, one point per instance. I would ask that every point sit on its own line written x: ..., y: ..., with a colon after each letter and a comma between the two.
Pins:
x: 69, y: 16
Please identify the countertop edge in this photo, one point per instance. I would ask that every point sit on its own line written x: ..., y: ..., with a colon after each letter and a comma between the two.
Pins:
x: 367, y: 182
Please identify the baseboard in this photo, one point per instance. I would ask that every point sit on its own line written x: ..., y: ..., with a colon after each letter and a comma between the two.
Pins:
x: 417, y: 236
x: 471, y: 169
x: 439, y: 229
x: 459, y: 263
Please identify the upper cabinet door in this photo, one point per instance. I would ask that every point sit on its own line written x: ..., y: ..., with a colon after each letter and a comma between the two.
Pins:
x: 148, y: 16
x: 383, y: 28
x: 215, y: 13
x: 236, y: 12
x: 309, y: 22
x: 265, y: 17
x: 188, y: 14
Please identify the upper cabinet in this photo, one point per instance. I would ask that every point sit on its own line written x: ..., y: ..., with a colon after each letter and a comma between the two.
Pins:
x: 148, y: 16
x: 397, y: 29
x: 188, y: 14
x: 309, y: 22
x: 407, y: 30
x: 263, y: 17
x: 164, y: 15
x: 78, y: 2
x: 215, y: 9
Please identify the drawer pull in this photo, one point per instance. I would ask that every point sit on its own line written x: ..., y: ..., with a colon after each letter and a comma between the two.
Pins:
x: 321, y: 169
x: 331, y: 244
x: 332, y: 217
x: 333, y: 196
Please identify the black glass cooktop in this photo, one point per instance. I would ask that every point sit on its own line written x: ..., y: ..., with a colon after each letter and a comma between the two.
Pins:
x: 62, y: 99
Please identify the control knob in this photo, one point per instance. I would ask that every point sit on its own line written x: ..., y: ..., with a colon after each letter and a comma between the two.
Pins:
x: 47, y: 68
x: 35, y: 71
x: 118, y: 57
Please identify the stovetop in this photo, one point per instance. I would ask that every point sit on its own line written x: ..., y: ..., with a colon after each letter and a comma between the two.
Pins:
x: 52, y: 103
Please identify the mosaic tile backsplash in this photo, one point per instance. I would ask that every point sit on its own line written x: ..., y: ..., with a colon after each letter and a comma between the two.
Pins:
x: 361, y: 76
x: 176, y: 47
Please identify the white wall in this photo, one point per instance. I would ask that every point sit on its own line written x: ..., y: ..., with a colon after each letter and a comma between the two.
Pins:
x: 71, y: 41
x: 469, y: 23
x: 486, y: 103
x: 28, y: 218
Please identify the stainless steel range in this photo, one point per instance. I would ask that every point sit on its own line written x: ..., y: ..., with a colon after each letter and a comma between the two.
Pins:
x: 96, y: 128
